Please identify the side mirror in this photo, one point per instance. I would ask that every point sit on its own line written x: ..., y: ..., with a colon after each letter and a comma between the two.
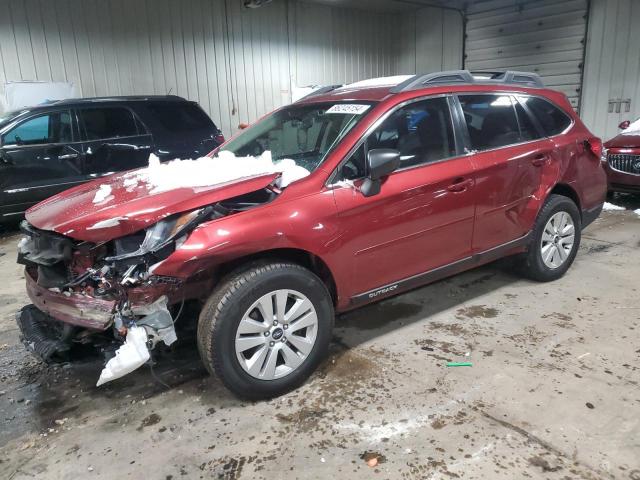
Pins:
x: 381, y: 162
x: 624, y: 125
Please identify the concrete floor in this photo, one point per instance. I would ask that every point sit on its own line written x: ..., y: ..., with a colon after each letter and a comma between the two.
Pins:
x: 553, y: 391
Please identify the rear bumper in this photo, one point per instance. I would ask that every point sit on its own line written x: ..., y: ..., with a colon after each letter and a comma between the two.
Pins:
x: 75, y: 309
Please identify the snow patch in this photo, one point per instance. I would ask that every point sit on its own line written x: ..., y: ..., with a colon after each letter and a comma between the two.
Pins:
x: 611, y: 207
x: 637, y: 211
x: 380, y: 81
x: 632, y: 129
x: 110, y: 222
x: 207, y: 172
x: 103, y: 193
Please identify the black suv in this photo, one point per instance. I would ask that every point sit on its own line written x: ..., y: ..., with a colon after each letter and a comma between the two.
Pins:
x: 48, y: 148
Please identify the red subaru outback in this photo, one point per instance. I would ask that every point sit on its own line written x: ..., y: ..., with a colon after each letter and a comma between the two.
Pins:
x: 346, y: 197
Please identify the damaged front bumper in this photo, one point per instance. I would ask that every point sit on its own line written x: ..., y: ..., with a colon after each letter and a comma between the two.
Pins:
x: 88, y: 289
x: 58, y: 318
x: 72, y: 308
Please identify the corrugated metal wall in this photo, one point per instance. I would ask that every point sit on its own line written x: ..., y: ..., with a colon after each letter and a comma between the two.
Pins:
x: 430, y: 30
x: 543, y: 36
x: 238, y: 63
x: 336, y: 45
x: 612, y: 68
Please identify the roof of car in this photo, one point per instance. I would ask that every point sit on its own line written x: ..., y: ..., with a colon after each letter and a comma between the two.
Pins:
x: 114, y: 99
x: 378, y: 89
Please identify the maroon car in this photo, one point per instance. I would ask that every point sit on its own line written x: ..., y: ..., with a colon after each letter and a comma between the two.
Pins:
x: 343, y: 198
x: 623, y: 159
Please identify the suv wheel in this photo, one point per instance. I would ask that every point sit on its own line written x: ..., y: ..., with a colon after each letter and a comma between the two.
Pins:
x: 265, y: 329
x: 555, y: 242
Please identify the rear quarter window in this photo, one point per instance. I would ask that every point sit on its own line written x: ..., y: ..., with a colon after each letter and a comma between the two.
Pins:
x: 552, y: 120
x: 180, y: 117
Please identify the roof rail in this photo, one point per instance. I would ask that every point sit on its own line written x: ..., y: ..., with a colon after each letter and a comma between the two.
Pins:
x: 121, y: 98
x: 320, y: 91
x: 465, y: 76
x: 511, y: 76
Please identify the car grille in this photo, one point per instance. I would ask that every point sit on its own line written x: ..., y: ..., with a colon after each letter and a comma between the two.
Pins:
x: 625, y: 162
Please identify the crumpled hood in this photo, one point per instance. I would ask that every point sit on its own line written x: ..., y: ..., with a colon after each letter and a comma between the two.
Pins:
x: 109, y: 208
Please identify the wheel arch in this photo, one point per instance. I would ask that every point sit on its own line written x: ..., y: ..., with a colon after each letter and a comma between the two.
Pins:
x: 299, y: 256
x: 567, y: 191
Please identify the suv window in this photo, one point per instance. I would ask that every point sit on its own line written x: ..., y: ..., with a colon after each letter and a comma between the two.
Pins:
x: 48, y: 128
x: 422, y: 132
x: 527, y: 130
x: 551, y: 118
x: 491, y: 120
x: 110, y: 122
x: 180, y: 117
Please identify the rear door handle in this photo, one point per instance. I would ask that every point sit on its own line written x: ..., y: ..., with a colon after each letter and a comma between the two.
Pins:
x: 539, y: 160
x: 460, y: 185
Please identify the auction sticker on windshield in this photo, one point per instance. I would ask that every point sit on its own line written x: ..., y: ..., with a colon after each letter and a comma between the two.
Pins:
x: 349, y: 108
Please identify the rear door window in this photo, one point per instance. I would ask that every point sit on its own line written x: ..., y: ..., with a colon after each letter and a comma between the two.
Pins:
x: 44, y: 129
x: 108, y: 122
x: 551, y: 118
x: 491, y: 121
x: 180, y: 117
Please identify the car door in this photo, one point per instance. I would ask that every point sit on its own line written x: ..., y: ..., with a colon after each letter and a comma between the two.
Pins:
x: 39, y: 156
x: 423, y: 216
x: 508, y: 153
x: 114, y: 140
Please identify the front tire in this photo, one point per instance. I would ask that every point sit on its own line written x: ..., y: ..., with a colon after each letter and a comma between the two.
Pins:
x: 555, y: 240
x: 265, y: 329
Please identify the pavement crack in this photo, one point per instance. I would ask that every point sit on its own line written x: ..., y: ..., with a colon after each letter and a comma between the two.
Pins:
x: 546, y: 445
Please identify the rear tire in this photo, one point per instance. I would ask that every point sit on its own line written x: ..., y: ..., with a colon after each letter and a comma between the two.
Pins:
x: 266, y: 304
x: 555, y: 240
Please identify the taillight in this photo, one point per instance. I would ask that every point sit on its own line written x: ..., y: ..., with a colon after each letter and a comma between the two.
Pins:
x: 219, y: 138
x: 595, y: 145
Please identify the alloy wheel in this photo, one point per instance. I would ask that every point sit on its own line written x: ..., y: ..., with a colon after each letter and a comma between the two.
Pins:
x: 276, y: 334
x: 557, y: 240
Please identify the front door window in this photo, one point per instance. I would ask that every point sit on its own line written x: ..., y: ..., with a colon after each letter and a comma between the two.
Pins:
x: 43, y: 129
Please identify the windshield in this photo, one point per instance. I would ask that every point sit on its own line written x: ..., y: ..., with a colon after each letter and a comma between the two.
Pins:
x: 303, y: 133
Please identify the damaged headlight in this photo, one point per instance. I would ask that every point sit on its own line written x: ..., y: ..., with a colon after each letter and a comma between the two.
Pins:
x: 160, y: 239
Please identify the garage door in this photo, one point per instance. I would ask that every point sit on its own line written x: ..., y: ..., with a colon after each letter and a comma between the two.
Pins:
x: 546, y: 37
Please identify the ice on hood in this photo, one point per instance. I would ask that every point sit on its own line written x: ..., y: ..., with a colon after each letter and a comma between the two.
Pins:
x: 207, y: 171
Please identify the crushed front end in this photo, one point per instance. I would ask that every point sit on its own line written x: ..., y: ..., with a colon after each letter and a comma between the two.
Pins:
x: 81, y: 291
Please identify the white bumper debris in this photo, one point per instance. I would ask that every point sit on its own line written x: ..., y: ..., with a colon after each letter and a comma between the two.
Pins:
x: 130, y: 356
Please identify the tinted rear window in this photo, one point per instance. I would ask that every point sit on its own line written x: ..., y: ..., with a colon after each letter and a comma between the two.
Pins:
x: 491, y: 120
x: 551, y: 118
x: 180, y: 117
x: 111, y: 122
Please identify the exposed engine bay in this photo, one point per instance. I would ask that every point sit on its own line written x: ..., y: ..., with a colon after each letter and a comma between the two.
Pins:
x: 83, y: 291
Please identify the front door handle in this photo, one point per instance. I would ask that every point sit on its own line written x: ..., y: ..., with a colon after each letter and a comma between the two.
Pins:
x: 4, y: 159
x: 67, y: 156
x: 460, y: 185
x: 539, y: 160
